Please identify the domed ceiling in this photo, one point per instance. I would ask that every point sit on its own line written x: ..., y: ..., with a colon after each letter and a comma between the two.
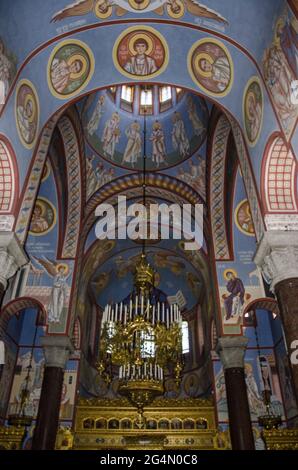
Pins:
x: 174, y: 124
x: 117, y: 134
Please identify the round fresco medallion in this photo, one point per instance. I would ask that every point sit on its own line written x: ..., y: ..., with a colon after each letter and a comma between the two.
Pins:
x: 46, y: 171
x: 243, y: 218
x: 140, y: 52
x: 103, y: 9
x: 43, y: 218
x: 210, y: 66
x: 176, y: 9
x: 139, y: 4
x: 253, y: 110
x: 27, y: 113
x: 70, y: 68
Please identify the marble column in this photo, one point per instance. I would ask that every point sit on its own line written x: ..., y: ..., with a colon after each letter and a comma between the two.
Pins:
x: 231, y: 350
x: 12, y: 257
x: 277, y: 256
x: 56, y: 350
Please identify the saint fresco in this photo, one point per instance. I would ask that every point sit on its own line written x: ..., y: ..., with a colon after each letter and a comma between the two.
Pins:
x: 70, y: 68
x: 210, y: 66
x: 27, y: 113
x: 141, y: 52
x: 43, y: 217
x: 253, y: 110
x: 280, y: 71
x: 243, y: 218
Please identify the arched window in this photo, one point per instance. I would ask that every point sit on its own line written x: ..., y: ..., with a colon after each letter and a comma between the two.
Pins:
x: 185, y: 337
x: 6, y: 179
x: 279, y: 178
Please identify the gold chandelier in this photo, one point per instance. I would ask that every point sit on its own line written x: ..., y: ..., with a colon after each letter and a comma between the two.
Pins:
x: 141, y: 338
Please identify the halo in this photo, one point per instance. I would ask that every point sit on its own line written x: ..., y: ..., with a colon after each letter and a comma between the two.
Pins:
x: 176, y: 14
x: 116, y: 115
x: 198, y: 58
x: 62, y: 265
x: 249, y: 94
x: 226, y: 271
x: 248, y: 211
x: 137, y: 36
x: 40, y: 204
x: 28, y: 98
x: 140, y: 5
x: 81, y: 58
x: 102, y: 13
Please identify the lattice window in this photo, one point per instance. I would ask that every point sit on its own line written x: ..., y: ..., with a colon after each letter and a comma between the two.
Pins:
x: 6, y: 179
x: 280, y: 178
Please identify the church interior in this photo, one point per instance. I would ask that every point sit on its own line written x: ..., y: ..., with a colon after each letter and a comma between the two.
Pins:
x: 124, y: 342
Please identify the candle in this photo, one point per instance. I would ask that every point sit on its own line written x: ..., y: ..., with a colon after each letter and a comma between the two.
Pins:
x: 136, y: 309
x: 163, y: 312
x: 121, y: 307
x: 125, y: 314
x: 130, y: 309
x: 148, y: 309
x: 158, y: 312
x: 142, y: 305
x: 116, y: 313
x: 153, y: 315
x: 168, y: 318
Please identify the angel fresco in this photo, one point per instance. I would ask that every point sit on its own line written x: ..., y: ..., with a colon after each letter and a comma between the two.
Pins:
x: 60, y: 273
x: 104, y: 8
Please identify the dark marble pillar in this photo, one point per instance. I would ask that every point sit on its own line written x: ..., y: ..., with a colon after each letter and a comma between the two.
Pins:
x: 287, y: 297
x: 56, y: 350
x: 277, y: 256
x: 231, y: 350
x: 48, y: 410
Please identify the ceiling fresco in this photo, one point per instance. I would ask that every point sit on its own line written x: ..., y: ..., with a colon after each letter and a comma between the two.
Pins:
x: 118, y: 136
x: 173, y: 274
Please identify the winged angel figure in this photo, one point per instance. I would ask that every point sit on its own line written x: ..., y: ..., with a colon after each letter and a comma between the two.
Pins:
x: 60, y: 273
x: 104, y: 8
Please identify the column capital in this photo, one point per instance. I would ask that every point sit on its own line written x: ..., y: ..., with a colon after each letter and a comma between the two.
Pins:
x: 57, y: 350
x: 231, y: 350
x: 277, y: 256
x: 12, y: 256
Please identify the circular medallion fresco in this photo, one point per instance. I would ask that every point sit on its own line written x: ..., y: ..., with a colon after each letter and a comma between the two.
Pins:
x: 210, y: 66
x: 43, y: 217
x: 70, y: 68
x: 27, y: 113
x: 253, y: 110
x: 140, y: 53
x: 243, y: 218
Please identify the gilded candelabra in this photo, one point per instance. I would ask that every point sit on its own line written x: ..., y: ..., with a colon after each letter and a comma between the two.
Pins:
x: 142, y: 337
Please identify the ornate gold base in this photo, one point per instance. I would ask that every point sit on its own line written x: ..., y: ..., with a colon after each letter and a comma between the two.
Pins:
x: 141, y: 393
x: 16, y: 420
x: 270, y: 421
